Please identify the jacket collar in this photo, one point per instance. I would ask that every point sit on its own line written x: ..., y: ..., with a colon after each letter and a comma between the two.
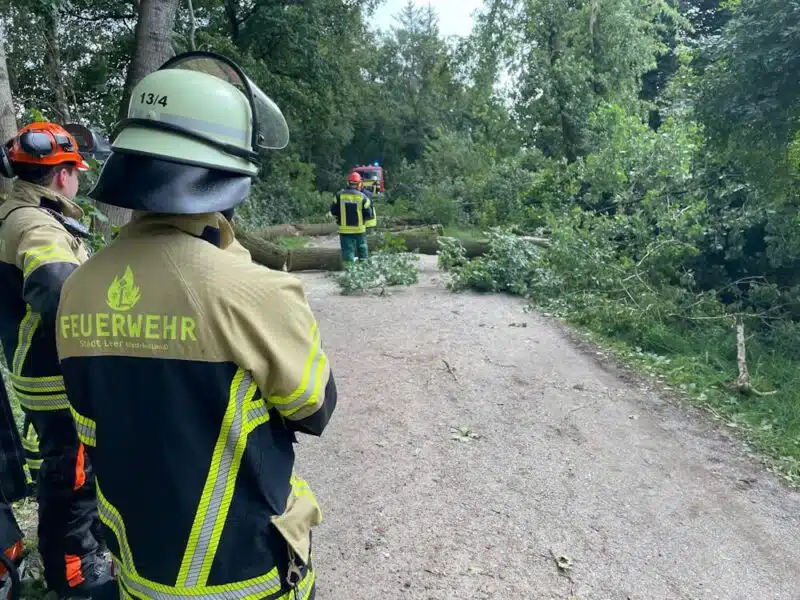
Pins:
x: 211, y: 227
x: 32, y: 194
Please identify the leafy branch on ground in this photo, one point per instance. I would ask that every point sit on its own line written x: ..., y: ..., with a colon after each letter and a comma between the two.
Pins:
x: 380, y: 271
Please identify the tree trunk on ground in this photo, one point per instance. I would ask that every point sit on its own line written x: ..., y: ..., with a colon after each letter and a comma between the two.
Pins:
x: 314, y: 259
x: 8, y: 122
x: 313, y: 229
x: 263, y: 252
x: 153, y: 47
x: 427, y: 242
x: 273, y: 232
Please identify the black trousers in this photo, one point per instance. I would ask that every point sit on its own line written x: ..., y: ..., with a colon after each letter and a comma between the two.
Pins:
x: 67, y: 496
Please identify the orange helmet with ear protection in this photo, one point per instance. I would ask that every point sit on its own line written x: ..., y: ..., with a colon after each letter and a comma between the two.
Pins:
x: 45, y: 144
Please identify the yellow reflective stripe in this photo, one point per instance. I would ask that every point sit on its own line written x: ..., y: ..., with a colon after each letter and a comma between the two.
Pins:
x: 304, y: 588
x: 256, y: 413
x: 43, y: 402
x: 309, y: 389
x: 51, y: 383
x: 215, y: 501
x: 137, y: 586
x: 34, y: 463
x: 301, y: 488
x: 253, y: 589
x: 86, y: 428
x: 27, y: 328
x: 37, y: 257
x: 31, y: 445
x: 113, y: 520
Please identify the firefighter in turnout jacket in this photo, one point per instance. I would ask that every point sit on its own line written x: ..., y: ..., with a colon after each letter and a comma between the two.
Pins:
x: 41, y: 244
x: 352, y: 209
x: 190, y: 368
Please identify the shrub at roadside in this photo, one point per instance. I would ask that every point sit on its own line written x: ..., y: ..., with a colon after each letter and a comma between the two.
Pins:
x: 634, y: 292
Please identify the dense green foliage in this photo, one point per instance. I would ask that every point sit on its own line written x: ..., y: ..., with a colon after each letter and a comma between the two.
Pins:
x: 655, y: 142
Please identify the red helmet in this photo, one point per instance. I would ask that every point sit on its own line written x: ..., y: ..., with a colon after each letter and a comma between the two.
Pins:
x: 354, y: 177
x: 45, y: 144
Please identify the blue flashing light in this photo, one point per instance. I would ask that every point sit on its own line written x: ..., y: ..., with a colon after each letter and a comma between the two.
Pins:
x: 375, y: 164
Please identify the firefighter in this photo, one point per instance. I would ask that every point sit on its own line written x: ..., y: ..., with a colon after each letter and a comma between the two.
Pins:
x: 15, y: 485
x: 186, y: 392
x: 352, y: 209
x: 41, y: 244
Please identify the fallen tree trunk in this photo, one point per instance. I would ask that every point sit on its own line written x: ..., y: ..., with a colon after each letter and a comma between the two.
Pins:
x: 427, y: 242
x: 313, y: 229
x: 276, y: 231
x: 422, y: 241
x: 262, y: 251
x: 314, y: 259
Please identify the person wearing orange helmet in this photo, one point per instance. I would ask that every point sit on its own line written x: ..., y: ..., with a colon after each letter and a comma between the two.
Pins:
x: 41, y: 244
x: 352, y: 209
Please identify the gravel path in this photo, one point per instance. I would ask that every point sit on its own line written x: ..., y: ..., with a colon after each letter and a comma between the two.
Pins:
x: 647, y: 500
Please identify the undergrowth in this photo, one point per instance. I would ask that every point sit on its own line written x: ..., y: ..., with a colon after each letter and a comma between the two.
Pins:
x: 647, y: 309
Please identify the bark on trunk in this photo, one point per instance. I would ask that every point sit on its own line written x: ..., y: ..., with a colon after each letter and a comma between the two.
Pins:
x: 153, y: 44
x: 8, y: 121
x: 263, y: 252
x: 314, y: 259
x: 52, y: 61
x: 274, y: 232
x: 153, y: 47
x: 313, y: 229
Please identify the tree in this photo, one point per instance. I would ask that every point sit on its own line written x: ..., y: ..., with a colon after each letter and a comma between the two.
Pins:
x: 152, y: 48
x: 8, y: 122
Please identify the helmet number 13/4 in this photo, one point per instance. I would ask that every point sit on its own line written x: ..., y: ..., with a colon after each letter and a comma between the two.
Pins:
x: 153, y: 99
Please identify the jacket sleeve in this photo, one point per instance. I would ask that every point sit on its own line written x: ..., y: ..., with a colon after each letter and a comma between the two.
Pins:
x: 366, y: 208
x: 335, y: 206
x: 284, y: 353
x: 46, y: 258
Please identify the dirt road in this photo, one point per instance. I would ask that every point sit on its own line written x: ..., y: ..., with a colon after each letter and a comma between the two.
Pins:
x: 646, y: 499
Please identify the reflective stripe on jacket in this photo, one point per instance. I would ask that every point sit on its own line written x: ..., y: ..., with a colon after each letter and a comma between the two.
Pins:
x: 351, y: 209
x: 372, y: 219
x: 194, y: 456
x: 37, y: 254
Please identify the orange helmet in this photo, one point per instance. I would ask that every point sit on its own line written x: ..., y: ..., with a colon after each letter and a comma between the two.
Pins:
x: 354, y: 177
x: 45, y: 144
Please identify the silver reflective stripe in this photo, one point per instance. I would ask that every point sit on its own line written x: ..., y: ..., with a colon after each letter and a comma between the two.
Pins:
x: 48, y: 402
x: 262, y: 588
x: 220, y: 482
x: 29, y: 324
x: 110, y: 516
x: 258, y: 411
x: 86, y: 428
x: 233, y: 134
x: 53, y: 383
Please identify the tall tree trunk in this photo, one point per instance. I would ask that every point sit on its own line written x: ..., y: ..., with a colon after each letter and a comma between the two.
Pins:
x: 153, y: 47
x: 8, y: 122
x: 153, y: 44
x: 52, y: 61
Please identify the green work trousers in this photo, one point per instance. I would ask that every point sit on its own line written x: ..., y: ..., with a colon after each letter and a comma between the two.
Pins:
x: 353, y: 245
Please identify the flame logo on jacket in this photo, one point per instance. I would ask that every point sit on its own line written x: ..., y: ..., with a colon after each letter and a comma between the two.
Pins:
x: 123, y: 293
